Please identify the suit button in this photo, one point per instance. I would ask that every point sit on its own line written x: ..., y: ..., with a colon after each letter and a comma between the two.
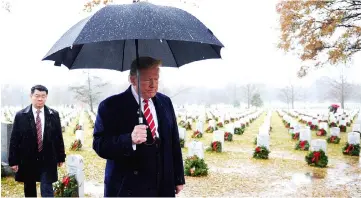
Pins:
x: 135, y: 172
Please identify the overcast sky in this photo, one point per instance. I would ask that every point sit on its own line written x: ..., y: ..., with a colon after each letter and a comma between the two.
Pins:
x: 248, y: 29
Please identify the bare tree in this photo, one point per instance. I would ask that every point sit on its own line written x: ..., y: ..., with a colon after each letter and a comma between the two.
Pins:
x: 249, y: 90
x: 6, y: 5
x: 288, y: 95
x: 89, y: 92
x: 339, y: 89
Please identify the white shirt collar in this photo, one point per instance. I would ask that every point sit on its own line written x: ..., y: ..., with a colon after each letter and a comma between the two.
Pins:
x: 34, y: 109
x: 135, y: 94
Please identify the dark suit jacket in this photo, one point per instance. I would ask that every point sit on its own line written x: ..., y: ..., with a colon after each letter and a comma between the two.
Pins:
x: 116, y: 118
x: 23, y: 149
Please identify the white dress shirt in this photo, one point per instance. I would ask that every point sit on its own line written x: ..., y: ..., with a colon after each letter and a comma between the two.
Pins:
x: 152, y: 110
x: 42, y: 119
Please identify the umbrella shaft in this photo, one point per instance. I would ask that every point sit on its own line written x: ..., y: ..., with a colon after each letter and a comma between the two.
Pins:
x: 138, y: 79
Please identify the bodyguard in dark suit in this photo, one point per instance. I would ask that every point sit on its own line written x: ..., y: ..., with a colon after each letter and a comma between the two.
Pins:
x: 142, y: 160
x: 36, y: 145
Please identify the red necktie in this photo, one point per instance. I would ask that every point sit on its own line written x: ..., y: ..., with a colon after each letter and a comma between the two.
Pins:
x: 39, y: 130
x: 149, y: 117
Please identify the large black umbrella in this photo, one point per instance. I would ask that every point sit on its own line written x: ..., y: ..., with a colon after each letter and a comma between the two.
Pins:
x: 117, y: 34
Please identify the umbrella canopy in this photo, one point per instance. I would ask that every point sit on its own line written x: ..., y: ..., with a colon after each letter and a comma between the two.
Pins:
x: 115, y: 35
x: 118, y: 34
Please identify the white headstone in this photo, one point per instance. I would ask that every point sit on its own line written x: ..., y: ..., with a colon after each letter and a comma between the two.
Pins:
x: 305, y: 134
x: 323, y: 125
x: 79, y: 135
x: 182, y: 132
x: 335, y: 131
x: 297, y: 128
x: 343, y: 122
x: 75, y: 166
x: 196, y: 148
x: 356, y: 127
x: 212, y: 123
x: 230, y: 128
x: 315, y: 122
x: 263, y: 140
x: 353, y: 138
x: 219, y: 136
x: 199, y: 126
x: 318, y: 144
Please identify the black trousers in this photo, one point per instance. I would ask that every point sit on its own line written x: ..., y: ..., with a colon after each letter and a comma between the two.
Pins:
x: 46, y: 188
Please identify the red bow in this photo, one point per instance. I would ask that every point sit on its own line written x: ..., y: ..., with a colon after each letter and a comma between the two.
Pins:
x: 66, y: 181
x: 316, y: 156
x: 349, y: 148
x: 258, y: 149
x: 215, y: 146
x: 333, y: 138
x: 302, y: 144
x: 295, y: 136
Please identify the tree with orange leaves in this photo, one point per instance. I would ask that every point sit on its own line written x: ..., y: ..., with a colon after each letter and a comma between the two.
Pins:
x: 320, y: 32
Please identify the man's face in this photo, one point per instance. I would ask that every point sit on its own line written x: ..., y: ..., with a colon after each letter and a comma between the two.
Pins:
x: 148, y: 82
x: 38, y: 98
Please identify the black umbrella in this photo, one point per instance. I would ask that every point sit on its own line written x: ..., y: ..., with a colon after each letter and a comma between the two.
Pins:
x: 117, y: 34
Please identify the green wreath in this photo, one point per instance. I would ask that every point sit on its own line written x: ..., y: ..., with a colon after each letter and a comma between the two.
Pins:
x: 317, y: 158
x: 243, y: 126
x: 321, y: 132
x: 226, y: 122
x: 76, y: 145
x: 261, y: 152
x: 194, y: 166
x: 228, y: 136
x: 181, y: 141
x: 343, y: 128
x: 238, y: 131
x: 314, y: 128
x: 215, y: 146
x: 197, y: 134
x: 332, y: 124
x: 295, y: 136
x: 302, y: 145
x: 211, y: 129
x: 333, y: 139
x: 67, y: 187
x: 351, y: 149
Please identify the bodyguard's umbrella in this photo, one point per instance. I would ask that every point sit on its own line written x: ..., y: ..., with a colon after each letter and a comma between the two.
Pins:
x: 117, y: 34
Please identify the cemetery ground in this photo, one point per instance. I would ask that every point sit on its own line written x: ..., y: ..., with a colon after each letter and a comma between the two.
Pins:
x: 234, y: 172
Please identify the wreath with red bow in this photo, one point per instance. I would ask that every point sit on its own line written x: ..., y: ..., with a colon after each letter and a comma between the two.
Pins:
x: 321, y: 132
x: 228, y: 136
x: 302, y: 145
x: 333, y: 139
x: 295, y: 136
x: 351, y: 149
x: 76, y: 145
x: 197, y: 134
x: 216, y: 146
x: 238, y: 130
x: 317, y: 158
x: 67, y: 187
x: 261, y: 152
x: 194, y: 166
